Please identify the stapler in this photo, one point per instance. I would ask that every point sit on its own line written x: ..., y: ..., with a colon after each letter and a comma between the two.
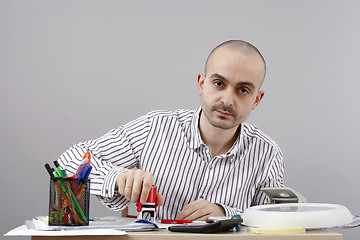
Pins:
x: 283, y: 195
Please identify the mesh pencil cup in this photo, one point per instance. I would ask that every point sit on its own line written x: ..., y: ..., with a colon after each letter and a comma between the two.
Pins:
x: 69, y: 201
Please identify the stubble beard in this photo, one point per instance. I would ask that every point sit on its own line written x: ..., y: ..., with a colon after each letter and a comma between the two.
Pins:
x: 221, y: 122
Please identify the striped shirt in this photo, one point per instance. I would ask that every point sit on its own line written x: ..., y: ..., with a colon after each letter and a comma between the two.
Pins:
x: 169, y: 145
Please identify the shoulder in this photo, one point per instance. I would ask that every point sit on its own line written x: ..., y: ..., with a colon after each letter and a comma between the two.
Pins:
x: 158, y: 117
x: 253, y: 133
x: 180, y: 115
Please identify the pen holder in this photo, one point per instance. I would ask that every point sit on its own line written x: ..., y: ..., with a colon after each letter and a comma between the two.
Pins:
x: 69, y: 200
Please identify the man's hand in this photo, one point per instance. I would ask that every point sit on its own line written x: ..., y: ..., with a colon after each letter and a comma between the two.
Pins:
x: 201, y: 210
x: 136, y: 184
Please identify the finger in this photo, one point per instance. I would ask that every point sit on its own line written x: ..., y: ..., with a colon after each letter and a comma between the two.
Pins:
x: 203, y: 218
x: 189, y: 209
x: 186, y: 211
x: 120, y: 182
x: 147, y: 183
x: 129, y: 185
x: 199, y: 214
x: 206, y: 209
x: 159, y: 199
x: 197, y: 210
x: 137, y: 186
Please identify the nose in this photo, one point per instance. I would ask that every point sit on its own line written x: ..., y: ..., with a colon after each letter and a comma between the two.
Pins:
x: 228, y: 97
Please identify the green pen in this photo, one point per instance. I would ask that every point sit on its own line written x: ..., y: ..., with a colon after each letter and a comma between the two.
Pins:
x: 56, y: 174
x: 77, y: 206
x: 60, y: 171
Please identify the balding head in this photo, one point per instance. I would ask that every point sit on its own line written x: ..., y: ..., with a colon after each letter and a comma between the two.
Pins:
x: 241, y: 46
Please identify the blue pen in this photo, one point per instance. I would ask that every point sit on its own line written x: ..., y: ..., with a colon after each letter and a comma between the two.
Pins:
x: 88, y: 170
x: 80, y: 173
x: 85, y: 175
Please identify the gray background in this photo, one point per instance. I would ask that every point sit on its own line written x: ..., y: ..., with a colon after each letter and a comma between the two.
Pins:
x: 72, y: 70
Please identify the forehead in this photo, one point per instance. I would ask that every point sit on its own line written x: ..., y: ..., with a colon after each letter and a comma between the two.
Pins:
x: 237, y: 66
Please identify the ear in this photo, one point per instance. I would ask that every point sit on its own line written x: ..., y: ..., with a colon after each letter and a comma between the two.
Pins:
x: 259, y: 96
x: 201, y: 80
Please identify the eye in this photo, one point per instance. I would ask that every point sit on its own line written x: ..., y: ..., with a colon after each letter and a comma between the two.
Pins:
x: 218, y: 83
x: 244, y: 91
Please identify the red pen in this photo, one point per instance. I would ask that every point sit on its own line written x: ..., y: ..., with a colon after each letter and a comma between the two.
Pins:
x: 174, y: 221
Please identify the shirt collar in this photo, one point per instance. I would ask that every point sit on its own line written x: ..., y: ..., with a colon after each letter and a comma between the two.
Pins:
x: 193, y: 133
x: 194, y: 137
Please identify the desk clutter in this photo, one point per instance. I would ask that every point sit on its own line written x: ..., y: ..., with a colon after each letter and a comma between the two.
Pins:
x: 110, y: 222
x: 69, y: 194
x: 69, y: 200
x: 113, y: 225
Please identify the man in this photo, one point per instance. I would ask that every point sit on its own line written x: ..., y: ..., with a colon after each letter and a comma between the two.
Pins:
x: 205, y: 162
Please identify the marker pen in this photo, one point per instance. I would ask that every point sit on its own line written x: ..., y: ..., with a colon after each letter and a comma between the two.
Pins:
x: 50, y: 171
x: 175, y: 221
x: 56, y: 174
x: 60, y: 171
x: 74, y: 188
x: 81, y: 171
x: 70, y: 194
x: 88, y: 170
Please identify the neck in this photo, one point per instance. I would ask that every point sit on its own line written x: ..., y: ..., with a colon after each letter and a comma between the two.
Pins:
x: 218, y: 140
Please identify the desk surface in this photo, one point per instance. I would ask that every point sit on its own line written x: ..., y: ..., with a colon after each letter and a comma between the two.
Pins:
x: 165, y: 235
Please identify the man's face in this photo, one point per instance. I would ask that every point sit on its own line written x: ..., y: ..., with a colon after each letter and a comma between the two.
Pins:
x: 230, y: 89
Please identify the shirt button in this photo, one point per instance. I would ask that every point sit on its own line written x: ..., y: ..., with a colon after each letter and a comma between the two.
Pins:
x: 210, y: 167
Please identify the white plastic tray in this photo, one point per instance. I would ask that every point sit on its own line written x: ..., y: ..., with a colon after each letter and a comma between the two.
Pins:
x: 297, y: 215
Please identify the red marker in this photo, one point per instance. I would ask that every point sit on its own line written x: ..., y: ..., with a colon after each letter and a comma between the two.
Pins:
x: 75, y: 189
x: 174, y: 221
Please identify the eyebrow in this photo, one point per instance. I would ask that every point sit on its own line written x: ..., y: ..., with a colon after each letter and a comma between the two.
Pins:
x: 249, y: 84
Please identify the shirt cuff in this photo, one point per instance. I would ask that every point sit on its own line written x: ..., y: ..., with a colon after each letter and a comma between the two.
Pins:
x: 109, y: 182
x: 229, y: 211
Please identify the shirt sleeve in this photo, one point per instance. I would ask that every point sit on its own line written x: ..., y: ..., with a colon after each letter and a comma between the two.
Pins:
x: 230, y: 211
x: 273, y: 178
x: 115, y: 152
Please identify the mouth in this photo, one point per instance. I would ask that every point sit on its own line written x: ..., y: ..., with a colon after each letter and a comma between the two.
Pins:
x: 223, y: 113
